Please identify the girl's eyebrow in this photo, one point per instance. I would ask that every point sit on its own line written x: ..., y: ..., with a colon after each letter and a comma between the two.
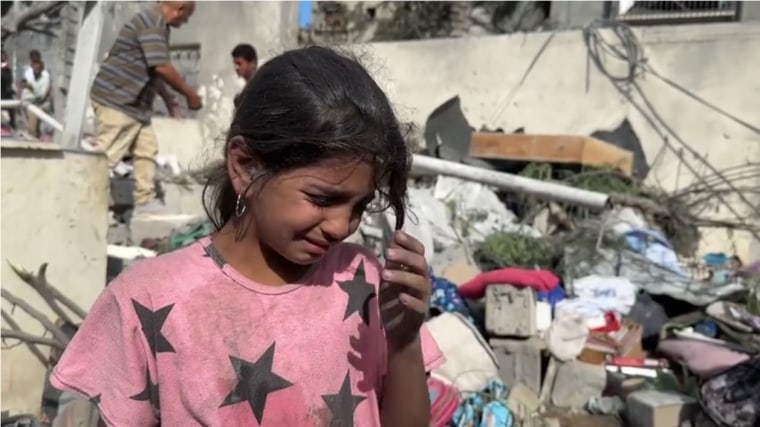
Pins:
x: 337, y: 193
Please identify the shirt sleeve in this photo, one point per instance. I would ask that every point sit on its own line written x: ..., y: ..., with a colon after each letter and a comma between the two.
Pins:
x: 431, y: 353
x: 109, y: 361
x: 154, y: 42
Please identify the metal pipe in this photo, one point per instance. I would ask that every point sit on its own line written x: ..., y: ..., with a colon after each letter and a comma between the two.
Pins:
x: 425, y: 165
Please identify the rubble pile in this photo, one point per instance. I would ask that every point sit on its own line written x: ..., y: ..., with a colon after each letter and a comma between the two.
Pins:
x: 564, y: 317
x: 580, y: 303
x: 553, y: 314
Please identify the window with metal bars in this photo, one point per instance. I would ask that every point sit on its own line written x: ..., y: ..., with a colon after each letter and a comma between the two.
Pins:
x: 674, y: 12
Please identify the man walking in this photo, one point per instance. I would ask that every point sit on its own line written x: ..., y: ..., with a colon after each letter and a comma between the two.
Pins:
x: 245, y: 60
x: 137, y: 67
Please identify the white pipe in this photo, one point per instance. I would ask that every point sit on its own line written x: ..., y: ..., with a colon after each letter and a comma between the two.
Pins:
x: 45, y: 117
x: 425, y: 165
x: 8, y: 104
x: 37, y: 111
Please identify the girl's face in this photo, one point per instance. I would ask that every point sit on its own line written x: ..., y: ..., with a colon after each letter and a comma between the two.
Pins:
x: 301, y: 213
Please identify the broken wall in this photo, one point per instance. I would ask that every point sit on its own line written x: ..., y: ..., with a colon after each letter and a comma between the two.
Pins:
x: 271, y: 27
x: 563, y: 93
x: 54, y: 210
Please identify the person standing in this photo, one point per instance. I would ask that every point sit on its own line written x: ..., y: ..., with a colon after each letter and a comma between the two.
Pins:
x: 246, y: 61
x: 6, y: 87
x: 137, y: 67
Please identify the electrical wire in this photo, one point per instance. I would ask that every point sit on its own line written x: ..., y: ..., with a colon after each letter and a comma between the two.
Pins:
x: 630, y: 52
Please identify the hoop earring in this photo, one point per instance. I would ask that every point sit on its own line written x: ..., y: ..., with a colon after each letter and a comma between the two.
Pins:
x: 240, y: 207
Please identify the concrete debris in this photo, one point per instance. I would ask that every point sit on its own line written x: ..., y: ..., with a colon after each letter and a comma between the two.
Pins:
x: 450, y: 257
x: 459, y: 271
x: 476, y: 210
x: 510, y: 311
x: 523, y: 402
x: 576, y: 383
x: 519, y: 361
x: 652, y: 408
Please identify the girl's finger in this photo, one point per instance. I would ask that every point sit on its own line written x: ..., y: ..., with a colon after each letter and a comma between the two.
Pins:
x: 395, y: 321
x: 419, y: 284
x: 402, y: 257
x: 407, y: 241
x: 413, y: 303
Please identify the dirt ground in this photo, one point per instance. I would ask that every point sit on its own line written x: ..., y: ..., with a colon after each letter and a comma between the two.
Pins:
x: 582, y: 420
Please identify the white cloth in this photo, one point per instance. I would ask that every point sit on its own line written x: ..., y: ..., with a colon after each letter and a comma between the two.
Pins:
x: 566, y: 337
x: 596, y: 295
x: 40, y: 87
x: 470, y: 362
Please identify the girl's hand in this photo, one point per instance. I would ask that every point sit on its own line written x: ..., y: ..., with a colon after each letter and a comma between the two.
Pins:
x: 404, y: 291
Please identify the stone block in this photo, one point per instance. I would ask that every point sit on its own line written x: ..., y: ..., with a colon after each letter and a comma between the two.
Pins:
x: 510, y: 311
x: 577, y: 382
x: 519, y: 361
x: 523, y: 402
x: 653, y: 408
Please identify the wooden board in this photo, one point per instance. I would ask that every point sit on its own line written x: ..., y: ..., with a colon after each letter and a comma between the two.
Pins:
x: 583, y: 150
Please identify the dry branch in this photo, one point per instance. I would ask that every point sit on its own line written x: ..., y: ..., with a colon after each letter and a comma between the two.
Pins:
x: 16, y: 23
x: 29, y: 338
x: 49, y: 292
x: 37, y: 315
x: 8, y: 319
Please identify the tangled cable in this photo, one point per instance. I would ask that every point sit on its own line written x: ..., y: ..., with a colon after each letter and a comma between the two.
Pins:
x: 631, y: 52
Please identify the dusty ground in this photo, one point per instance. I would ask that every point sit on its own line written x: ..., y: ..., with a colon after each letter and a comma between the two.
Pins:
x: 582, y: 420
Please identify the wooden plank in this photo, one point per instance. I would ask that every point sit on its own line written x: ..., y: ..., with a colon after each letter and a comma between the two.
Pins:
x: 577, y: 149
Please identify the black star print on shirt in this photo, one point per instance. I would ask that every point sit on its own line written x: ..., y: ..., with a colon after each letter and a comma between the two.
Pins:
x: 149, y: 393
x: 343, y: 404
x: 152, y: 322
x: 359, y: 294
x: 254, y: 382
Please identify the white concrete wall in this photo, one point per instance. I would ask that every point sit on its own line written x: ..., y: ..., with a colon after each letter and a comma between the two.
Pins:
x: 54, y: 210
x: 218, y: 27
x: 564, y: 94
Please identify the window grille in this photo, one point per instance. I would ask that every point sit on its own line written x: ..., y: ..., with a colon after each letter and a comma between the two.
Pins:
x: 673, y: 12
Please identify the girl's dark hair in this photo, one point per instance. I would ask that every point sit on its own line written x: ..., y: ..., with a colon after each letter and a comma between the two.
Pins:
x: 303, y: 107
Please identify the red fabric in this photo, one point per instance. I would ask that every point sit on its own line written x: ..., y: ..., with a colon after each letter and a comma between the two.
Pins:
x: 540, y: 280
x: 612, y: 324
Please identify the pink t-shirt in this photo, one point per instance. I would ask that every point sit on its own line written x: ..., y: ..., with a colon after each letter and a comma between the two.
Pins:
x: 183, y: 339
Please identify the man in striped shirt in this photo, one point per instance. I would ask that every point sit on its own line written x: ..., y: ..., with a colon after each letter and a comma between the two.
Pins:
x: 136, y: 68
